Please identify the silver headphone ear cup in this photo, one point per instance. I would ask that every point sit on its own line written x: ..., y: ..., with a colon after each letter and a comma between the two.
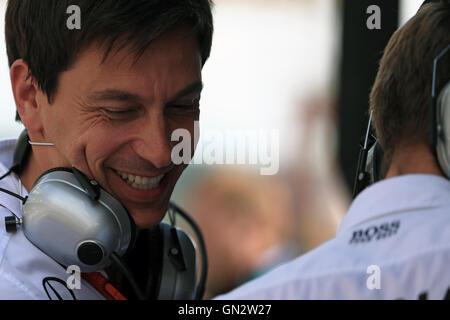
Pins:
x: 70, y: 227
x: 443, y: 129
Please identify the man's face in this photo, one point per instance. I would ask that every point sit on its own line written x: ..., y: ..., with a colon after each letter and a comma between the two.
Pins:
x: 114, y: 120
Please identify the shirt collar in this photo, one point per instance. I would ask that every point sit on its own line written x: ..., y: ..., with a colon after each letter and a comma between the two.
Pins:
x: 7, y: 147
x: 398, y: 194
x: 11, y: 182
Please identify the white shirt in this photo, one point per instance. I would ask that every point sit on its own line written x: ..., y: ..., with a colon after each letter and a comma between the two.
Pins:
x: 394, y: 243
x: 24, y: 269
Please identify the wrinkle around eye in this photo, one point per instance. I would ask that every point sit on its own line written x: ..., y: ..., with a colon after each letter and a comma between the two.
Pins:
x: 120, y: 114
x: 93, y: 120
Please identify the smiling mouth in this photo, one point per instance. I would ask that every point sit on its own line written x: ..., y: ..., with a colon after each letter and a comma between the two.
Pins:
x: 139, y: 182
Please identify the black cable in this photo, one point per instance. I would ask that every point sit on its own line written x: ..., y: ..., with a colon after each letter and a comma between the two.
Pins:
x: 46, y: 281
x: 201, y: 287
x: 6, y: 174
x: 14, y: 195
x: 126, y: 272
x: 9, y: 192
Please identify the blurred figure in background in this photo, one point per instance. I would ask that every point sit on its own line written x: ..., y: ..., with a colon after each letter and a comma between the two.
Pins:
x: 243, y: 217
x: 321, y: 197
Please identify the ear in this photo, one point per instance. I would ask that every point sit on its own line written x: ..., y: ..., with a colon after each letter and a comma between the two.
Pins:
x: 25, y: 95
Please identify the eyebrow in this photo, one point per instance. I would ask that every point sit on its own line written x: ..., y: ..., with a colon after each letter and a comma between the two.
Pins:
x: 113, y: 94
x: 119, y: 95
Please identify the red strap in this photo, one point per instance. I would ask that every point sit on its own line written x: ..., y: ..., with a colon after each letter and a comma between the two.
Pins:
x: 102, y: 285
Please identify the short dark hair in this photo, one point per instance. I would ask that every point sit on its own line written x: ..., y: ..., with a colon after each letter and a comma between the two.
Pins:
x: 401, y: 95
x: 36, y: 30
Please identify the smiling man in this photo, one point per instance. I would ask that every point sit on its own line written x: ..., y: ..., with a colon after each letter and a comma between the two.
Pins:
x: 106, y: 97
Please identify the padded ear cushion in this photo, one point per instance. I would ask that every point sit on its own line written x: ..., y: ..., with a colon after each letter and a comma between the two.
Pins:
x: 21, y: 152
x: 178, y: 265
x: 443, y: 129
x: 50, y: 171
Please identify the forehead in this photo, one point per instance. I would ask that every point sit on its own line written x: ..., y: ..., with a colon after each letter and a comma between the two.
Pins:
x: 171, y: 62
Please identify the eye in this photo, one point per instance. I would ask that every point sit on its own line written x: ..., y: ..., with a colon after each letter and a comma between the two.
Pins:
x: 118, y: 112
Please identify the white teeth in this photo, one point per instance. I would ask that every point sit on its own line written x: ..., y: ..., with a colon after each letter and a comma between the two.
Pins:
x: 138, y: 182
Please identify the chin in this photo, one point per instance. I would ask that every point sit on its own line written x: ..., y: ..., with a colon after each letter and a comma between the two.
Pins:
x: 147, y: 219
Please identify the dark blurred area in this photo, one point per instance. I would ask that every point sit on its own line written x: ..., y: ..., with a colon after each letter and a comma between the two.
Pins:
x: 361, y: 51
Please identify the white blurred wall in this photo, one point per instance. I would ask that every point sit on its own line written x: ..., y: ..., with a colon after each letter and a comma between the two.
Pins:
x: 408, y: 8
x: 266, y: 57
x: 8, y: 127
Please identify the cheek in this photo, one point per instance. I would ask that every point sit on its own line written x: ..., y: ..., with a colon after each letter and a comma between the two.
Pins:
x: 90, y: 151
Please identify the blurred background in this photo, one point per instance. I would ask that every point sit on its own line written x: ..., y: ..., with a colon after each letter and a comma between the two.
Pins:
x: 303, y: 68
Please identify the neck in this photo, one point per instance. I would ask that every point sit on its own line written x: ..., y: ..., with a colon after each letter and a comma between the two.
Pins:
x: 417, y: 159
x: 38, y: 162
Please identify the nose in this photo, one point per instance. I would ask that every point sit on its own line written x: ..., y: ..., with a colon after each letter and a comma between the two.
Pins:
x: 153, y: 142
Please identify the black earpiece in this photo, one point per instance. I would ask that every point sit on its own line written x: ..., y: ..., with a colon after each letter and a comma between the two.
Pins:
x: 374, y: 162
x: 21, y: 152
x: 91, y: 187
x: 369, y: 161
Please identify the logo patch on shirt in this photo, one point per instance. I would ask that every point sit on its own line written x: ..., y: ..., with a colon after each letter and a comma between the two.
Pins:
x: 375, y: 232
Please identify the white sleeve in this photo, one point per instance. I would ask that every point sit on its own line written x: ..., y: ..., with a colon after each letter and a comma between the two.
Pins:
x: 12, y: 289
